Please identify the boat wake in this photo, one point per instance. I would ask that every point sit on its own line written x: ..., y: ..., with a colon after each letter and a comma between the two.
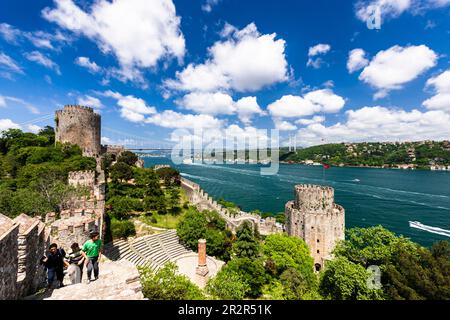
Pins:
x: 418, y: 225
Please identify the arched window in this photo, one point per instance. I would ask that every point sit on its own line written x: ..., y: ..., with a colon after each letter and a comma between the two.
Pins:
x: 317, y: 266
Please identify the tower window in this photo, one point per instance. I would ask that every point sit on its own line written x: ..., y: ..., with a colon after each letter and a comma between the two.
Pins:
x: 318, y: 240
x: 318, y: 251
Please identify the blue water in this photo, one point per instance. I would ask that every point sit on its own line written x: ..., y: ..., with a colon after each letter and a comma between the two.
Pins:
x: 385, y: 197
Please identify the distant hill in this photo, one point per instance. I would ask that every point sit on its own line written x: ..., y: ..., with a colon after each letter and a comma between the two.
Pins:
x: 421, y: 154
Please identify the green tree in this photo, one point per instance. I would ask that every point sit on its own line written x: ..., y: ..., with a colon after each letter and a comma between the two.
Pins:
x: 128, y: 158
x: 345, y: 280
x: 121, y: 172
x: 167, y: 284
x: 286, y: 252
x: 252, y: 272
x: 246, y: 245
x: 227, y: 285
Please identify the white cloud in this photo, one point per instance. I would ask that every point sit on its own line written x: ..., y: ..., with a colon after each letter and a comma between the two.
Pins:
x: 208, y: 103
x: 175, y: 120
x: 246, y: 108
x: 441, y: 86
x: 392, y: 68
x: 90, y: 101
x: 356, y: 60
x: 313, y: 102
x: 2, y: 102
x: 283, y: 125
x: 33, y: 128
x: 380, y: 124
x: 209, y: 4
x: 244, y: 61
x: 85, y: 62
x: 22, y: 102
x: 43, y: 60
x: 319, y: 49
x: 132, y: 109
x: 326, y: 99
x: 9, y: 64
x: 39, y: 39
x: 139, y: 33
x: 219, y: 103
x: 313, y: 120
x: 6, y: 124
x: 395, y: 8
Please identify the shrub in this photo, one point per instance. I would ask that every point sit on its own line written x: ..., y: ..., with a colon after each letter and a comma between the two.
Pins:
x: 122, y: 228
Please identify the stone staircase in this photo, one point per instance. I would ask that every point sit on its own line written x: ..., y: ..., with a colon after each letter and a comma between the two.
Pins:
x: 153, y: 250
x: 118, y: 280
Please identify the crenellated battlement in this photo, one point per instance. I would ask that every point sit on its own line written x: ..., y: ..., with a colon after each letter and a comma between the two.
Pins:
x: 83, y: 178
x: 313, y: 197
x: 81, y: 126
x: 314, y: 217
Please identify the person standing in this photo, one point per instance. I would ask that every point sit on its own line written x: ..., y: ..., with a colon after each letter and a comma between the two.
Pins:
x: 91, y: 251
x: 76, y: 262
x: 54, y: 261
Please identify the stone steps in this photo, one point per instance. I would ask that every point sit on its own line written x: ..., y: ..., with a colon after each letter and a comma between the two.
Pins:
x: 153, y: 250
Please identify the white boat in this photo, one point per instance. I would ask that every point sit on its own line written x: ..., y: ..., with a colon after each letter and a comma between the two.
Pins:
x: 187, y: 161
x: 356, y: 180
x: 436, y: 230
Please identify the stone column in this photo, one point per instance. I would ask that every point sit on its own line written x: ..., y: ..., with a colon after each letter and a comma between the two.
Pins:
x: 202, y: 268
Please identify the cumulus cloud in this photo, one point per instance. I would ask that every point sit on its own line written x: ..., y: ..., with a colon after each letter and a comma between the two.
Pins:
x: 85, y: 62
x: 283, y: 125
x: 6, y: 124
x: 90, y: 101
x: 243, y: 61
x: 290, y: 106
x: 43, y: 60
x: 319, y: 49
x: 208, y: 103
x: 175, y: 120
x: 313, y: 120
x: 139, y: 33
x: 380, y: 124
x: 246, y: 108
x: 441, y: 86
x: 220, y: 103
x: 392, y: 68
x: 132, y: 109
x: 356, y: 60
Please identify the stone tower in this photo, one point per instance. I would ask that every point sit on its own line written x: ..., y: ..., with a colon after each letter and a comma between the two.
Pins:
x: 79, y: 125
x: 314, y: 217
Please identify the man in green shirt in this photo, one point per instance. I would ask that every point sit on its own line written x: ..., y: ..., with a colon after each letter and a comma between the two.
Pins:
x: 91, y: 251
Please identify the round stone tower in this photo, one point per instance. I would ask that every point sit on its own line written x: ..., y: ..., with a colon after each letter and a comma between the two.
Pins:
x: 314, y: 217
x: 79, y: 125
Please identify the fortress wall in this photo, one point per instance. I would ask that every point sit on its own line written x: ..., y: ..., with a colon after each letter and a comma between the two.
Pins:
x: 203, y: 201
x: 9, y: 232
x: 32, y: 243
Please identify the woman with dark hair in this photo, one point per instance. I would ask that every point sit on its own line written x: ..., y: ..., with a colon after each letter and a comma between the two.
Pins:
x: 91, y: 251
x: 76, y: 262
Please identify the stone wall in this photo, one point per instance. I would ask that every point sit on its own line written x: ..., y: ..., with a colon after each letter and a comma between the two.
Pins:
x: 73, y: 226
x: 82, y: 126
x: 200, y: 199
x: 33, y: 241
x: 314, y: 217
x: 9, y: 232
x: 23, y: 242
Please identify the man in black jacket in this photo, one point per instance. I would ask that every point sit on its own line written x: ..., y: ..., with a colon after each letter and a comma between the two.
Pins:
x: 54, y: 262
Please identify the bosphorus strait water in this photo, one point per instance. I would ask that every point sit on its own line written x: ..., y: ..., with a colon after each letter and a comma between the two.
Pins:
x: 391, y: 198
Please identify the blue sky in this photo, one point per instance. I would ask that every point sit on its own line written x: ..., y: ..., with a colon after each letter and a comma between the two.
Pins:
x: 309, y: 68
